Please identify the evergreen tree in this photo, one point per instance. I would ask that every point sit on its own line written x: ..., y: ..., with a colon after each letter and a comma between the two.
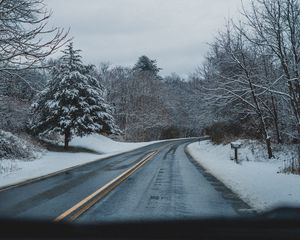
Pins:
x: 72, y: 103
x: 145, y: 64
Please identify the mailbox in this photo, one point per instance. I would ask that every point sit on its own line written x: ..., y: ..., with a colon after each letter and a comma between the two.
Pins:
x: 236, y: 146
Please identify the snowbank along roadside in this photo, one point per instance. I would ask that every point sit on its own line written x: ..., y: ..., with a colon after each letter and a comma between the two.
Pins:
x: 257, y: 180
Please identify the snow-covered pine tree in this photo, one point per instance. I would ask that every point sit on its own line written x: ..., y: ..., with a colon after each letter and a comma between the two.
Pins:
x: 72, y: 103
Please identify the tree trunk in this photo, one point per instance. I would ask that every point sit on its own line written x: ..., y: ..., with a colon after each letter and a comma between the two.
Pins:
x: 257, y: 108
x: 279, y: 140
x: 276, y: 121
x: 67, y: 139
x: 270, y: 152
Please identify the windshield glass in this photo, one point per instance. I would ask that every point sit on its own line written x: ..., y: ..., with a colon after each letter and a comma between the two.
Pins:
x: 135, y: 110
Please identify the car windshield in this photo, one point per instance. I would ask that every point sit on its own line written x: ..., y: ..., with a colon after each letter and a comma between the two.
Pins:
x: 134, y: 110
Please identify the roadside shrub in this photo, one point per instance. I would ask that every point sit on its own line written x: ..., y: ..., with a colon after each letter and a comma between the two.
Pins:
x: 221, y: 131
x: 170, y: 132
x: 13, y: 147
x: 14, y: 114
x: 292, y: 160
x: 292, y: 166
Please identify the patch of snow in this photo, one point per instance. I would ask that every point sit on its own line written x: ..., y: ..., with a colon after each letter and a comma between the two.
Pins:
x: 102, y: 144
x: 258, y: 180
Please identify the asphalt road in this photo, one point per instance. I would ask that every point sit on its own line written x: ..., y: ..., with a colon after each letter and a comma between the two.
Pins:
x: 170, y: 185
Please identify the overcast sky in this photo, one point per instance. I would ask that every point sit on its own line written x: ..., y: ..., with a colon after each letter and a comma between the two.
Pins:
x: 174, y: 32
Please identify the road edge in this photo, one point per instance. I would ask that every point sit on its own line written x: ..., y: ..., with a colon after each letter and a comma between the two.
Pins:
x: 236, y: 201
x: 36, y: 179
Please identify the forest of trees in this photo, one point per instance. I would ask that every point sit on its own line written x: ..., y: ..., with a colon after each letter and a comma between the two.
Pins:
x: 144, y: 105
x: 148, y: 106
x: 248, y: 85
x: 251, y: 74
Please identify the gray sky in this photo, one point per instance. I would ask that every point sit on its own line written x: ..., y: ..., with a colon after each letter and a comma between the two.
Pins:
x: 174, y: 32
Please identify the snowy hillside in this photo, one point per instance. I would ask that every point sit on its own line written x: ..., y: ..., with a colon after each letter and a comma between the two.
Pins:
x: 13, y: 171
x: 258, y: 180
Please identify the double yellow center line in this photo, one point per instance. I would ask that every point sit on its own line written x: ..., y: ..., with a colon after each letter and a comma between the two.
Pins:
x: 77, y: 210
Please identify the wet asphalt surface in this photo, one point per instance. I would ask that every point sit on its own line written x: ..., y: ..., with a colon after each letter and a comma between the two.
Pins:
x: 170, y: 186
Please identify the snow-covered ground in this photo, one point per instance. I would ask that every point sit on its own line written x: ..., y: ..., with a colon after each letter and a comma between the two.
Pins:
x: 259, y: 181
x: 102, y: 144
x: 13, y: 171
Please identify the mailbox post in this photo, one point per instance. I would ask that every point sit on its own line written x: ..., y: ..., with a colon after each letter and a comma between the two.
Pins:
x: 236, y: 146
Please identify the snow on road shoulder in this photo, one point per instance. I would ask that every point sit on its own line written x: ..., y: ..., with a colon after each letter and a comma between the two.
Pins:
x: 102, y: 144
x: 256, y: 179
x: 13, y: 171
x: 16, y: 171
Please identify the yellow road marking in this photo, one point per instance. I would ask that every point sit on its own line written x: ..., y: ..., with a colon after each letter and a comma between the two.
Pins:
x: 85, y: 204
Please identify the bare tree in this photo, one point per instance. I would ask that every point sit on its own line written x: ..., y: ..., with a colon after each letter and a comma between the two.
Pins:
x: 25, y: 42
x: 275, y: 25
x: 238, y: 77
x: 25, y: 39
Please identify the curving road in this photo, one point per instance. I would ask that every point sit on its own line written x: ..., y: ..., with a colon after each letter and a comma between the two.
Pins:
x: 169, y: 185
